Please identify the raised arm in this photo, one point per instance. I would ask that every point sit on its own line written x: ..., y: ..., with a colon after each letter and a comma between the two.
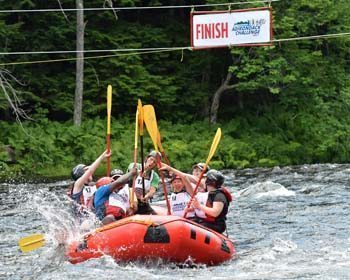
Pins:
x: 122, y: 180
x: 184, y: 176
x: 79, y: 184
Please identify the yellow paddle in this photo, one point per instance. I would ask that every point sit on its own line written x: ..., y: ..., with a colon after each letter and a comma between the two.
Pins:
x: 151, y: 124
x: 31, y: 242
x: 140, y: 123
x: 213, y: 147
x: 135, y: 155
x: 152, y: 128
x: 108, y: 137
x: 161, y: 149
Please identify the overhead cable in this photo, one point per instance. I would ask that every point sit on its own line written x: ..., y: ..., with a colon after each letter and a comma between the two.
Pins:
x: 90, y: 51
x: 313, y: 37
x: 130, y: 52
x: 137, y: 8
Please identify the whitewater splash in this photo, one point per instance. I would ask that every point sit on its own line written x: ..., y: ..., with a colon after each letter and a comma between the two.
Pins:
x: 59, y: 225
x: 265, y: 189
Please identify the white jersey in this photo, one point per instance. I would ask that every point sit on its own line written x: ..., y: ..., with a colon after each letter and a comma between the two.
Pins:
x: 178, y: 203
x: 202, y: 198
x: 138, y: 182
x: 88, y: 192
x: 121, y: 198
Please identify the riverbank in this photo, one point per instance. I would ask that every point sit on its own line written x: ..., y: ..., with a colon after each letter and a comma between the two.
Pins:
x: 49, y: 149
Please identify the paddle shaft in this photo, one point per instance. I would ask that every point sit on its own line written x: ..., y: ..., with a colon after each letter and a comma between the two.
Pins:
x: 161, y: 149
x: 195, y: 190
x: 152, y: 128
x: 108, y: 140
x: 135, y: 156
x: 164, y: 187
x: 213, y: 147
x: 142, y: 167
x: 140, y: 123
x: 108, y: 137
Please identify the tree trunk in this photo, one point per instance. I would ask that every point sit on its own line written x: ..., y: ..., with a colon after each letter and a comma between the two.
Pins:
x: 217, y: 96
x: 79, y: 84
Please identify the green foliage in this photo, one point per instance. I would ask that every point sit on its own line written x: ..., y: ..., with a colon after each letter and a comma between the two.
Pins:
x: 288, y: 103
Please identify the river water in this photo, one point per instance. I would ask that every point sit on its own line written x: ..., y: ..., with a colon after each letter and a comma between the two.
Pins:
x: 287, y: 223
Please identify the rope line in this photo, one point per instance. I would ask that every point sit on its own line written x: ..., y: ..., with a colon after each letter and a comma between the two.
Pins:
x: 148, y: 50
x: 312, y: 37
x: 136, y: 8
x: 90, y: 51
x: 88, y: 57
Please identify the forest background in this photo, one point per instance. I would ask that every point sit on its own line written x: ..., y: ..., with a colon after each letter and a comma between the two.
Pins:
x: 284, y: 104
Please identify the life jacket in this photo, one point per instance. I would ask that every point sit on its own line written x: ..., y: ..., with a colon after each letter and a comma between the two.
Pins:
x: 82, y: 201
x: 202, y: 198
x: 222, y: 215
x: 118, y: 203
x: 147, y: 182
x: 178, y: 203
x: 226, y: 193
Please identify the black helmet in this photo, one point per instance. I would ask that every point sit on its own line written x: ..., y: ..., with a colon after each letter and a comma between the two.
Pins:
x: 155, y: 154
x: 78, y: 171
x: 200, y: 166
x: 116, y: 172
x: 214, y: 176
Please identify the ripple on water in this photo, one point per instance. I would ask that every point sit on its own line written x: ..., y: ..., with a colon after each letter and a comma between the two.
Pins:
x: 305, y: 236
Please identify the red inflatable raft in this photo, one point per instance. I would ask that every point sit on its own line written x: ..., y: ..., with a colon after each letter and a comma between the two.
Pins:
x: 147, y: 237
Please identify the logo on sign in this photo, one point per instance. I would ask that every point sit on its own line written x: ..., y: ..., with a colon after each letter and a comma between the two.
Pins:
x: 249, y: 27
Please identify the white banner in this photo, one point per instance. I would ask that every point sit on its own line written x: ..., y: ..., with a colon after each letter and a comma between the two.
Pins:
x: 243, y: 27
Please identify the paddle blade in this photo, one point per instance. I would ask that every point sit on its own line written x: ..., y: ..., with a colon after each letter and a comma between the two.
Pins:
x: 159, y: 142
x: 151, y: 124
x: 214, y: 145
x: 109, y: 108
x: 140, y: 118
x: 32, y: 242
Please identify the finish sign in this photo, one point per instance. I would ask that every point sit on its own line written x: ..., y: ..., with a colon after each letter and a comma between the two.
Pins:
x: 226, y: 28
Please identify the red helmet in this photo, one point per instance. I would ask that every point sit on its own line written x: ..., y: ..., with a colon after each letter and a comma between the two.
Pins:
x: 175, y: 177
x: 103, y: 181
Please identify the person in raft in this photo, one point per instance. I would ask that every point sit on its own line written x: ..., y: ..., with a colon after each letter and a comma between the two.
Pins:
x: 148, y: 181
x: 113, y: 198
x: 182, y: 190
x: 83, y: 187
x: 196, y: 172
x: 217, y: 205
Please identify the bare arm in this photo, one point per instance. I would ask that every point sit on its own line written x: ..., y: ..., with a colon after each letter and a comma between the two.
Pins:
x: 211, y: 211
x: 79, y: 184
x: 150, y: 193
x: 173, y: 170
x: 186, y: 178
x: 122, y: 180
